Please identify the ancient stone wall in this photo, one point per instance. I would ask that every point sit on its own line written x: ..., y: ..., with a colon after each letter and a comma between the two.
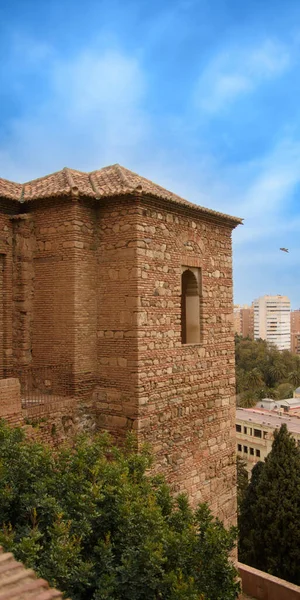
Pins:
x: 23, y: 288
x: 98, y: 286
x: 56, y: 423
x: 53, y: 337
x: 116, y: 394
x: 85, y: 296
x: 10, y: 401
x: 186, y: 391
x: 8, y: 209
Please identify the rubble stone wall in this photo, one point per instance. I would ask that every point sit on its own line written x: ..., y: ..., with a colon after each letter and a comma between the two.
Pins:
x: 186, y: 391
x: 10, y: 400
x: 98, y: 286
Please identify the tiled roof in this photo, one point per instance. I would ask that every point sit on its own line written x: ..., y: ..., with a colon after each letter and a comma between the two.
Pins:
x: 18, y: 583
x: 103, y: 183
x: 10, y: 190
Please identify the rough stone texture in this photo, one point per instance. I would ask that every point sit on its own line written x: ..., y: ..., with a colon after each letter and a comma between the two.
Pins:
x: 55, y: 423
x: 96, y: 287
x: 10, y: 400
x: 186, y: 392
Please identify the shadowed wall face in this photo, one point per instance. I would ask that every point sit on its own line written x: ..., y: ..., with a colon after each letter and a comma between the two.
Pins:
x: 1, y: 314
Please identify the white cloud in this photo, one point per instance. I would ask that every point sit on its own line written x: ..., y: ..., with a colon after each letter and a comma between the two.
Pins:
x: 238, y: 71
x: 92, y: 115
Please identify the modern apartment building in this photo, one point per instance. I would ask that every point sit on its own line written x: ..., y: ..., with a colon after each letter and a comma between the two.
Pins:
x: 295, y: 331
x: 255, y: 429
x: 272, y: 320
x: 295, y: 343
x: 243, y: 320
x: 295, y: 321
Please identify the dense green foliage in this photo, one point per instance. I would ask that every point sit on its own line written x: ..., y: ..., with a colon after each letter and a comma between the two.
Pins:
x: 262, y: 371
x: 95, y: 524
x: 241, y: 481
x: 269, y: 519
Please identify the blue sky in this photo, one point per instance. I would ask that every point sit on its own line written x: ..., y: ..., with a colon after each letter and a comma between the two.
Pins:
x: 202, y: 96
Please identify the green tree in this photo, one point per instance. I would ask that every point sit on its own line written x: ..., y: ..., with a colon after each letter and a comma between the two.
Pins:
x: 269, y: 522
x: 95, y: 524
x: 285, y: 390
x: 294, y: 378
x: 277, y: 371
x: 241, y: 480
x: 261, y: 367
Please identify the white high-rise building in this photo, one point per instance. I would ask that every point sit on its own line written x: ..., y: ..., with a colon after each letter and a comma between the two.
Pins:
x: 272, y: 320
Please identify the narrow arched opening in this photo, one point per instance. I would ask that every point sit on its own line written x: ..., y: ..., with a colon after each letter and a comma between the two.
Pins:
x: 190, y: 308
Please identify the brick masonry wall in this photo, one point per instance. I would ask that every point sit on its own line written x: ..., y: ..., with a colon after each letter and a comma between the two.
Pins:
x: 116, y: 394
x: 23, y: 288
x: 103, y: 292
x: 10, y: 400
x: 85, y: 295
x: 186, y: 392
x: 8, y: 209
x: 56, y: 423
x: 53, y: 336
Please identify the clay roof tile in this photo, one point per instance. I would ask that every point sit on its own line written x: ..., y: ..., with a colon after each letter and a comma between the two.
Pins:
x: 108, y: 182
x: 19, y: 583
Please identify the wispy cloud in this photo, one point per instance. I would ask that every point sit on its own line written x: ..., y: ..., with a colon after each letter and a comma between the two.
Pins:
x: 93, y: 114
x: 238, y: 71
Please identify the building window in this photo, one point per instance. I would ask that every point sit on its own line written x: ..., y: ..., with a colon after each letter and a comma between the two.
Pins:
x: 252, y: 451
x: 265, y: 435
x: 190, y: 306
x: 245, y: 430
x: 246, y: 449
x: 258, y: 453
x: 257, y: 433
x: 238, y: 428
x: 239, y: 447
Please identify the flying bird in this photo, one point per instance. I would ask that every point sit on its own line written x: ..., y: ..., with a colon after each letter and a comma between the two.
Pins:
x: 284, y: 249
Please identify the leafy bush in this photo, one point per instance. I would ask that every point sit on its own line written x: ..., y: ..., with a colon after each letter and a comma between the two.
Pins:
x: 95, y: 524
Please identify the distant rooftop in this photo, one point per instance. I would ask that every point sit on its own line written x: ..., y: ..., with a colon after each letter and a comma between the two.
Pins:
x: 269, y: 419
x: 271, y: 404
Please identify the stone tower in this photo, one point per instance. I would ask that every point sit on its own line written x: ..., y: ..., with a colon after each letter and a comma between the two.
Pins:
x: 131, y: 286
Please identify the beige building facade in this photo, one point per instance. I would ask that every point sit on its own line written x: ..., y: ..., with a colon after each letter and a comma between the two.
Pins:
x: 255, y: 429
x: 272, y: 320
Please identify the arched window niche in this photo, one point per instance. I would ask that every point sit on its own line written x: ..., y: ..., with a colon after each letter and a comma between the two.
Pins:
x: 191, y: 297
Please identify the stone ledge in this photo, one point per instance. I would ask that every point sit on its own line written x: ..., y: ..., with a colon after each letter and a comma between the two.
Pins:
x: 262, y: 586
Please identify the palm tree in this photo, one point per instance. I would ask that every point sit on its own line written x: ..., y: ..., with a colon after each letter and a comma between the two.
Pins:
x: 254, y: 379
x: 277, y: 371
x: 247, y: 399
x: 294, y: 378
